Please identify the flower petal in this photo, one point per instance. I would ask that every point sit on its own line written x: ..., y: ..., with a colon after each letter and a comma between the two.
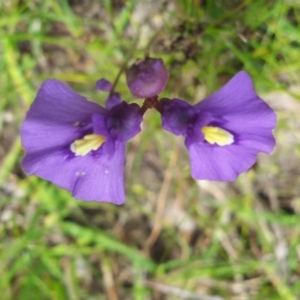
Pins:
x: 105, y: 180
x: 89, y: 178
x: 213, y: 162
x: 54, y: 115
x: 238, y: 109
x: 238, y: 105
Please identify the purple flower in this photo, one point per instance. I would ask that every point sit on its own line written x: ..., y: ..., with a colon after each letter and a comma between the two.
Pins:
x: 224, y: 132
x: 147, y: 77
x: 77, y: 144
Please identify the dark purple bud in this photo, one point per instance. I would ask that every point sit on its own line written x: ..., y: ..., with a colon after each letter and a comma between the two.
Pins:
x: 147, y: 77
x: 104, y: 85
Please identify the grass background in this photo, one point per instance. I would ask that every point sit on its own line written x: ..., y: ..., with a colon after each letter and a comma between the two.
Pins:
x: 175, y: 238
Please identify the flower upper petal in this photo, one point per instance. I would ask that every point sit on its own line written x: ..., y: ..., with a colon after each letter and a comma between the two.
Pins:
x: 239, y: 109
x: 237, y: 104
x: 52, y: 118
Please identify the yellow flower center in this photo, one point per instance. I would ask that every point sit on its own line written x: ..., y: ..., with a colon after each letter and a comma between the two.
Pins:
x: 217, y: 135
x: 88, y: 143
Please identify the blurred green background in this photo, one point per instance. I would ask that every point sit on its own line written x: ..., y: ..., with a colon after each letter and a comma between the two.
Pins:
x: 175, y: 238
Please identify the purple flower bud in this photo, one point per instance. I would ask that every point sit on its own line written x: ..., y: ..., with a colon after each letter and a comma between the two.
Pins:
x: 104, y: 85
x: 147, y: 77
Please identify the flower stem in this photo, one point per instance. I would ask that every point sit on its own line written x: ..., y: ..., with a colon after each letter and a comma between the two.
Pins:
x: 124, y: 66
x: 150, y: 103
